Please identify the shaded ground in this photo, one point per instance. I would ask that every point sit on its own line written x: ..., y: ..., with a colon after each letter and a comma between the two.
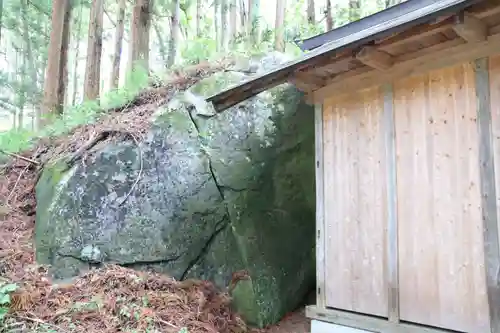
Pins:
x: 113, y: 298
x: 294, y: 323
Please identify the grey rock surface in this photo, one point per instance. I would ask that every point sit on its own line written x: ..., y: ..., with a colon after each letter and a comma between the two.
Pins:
x: 217, y: 193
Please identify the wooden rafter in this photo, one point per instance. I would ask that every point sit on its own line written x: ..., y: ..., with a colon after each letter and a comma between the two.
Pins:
x: 375, y: 58
x: 470, y: 28
x: 310, y: 79
x: 406, y: 66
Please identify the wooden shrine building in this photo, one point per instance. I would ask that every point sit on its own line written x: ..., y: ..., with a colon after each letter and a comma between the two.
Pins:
x: 408, y: 167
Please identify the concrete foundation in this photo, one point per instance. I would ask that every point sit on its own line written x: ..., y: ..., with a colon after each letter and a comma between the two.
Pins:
x: 324, y: 327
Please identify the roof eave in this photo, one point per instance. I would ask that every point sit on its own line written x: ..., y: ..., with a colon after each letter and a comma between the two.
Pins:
x: 369, y: 29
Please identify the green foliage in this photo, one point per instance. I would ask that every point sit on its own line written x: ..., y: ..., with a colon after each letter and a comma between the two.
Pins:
x: 16, y: 140
x: 5, y: 290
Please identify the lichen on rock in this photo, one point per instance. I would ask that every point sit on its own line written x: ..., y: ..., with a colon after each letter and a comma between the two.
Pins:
x: 205, y: 194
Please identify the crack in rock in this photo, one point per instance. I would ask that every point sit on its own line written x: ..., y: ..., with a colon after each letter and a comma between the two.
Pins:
x: 219, y: 227
x: 124, y: 264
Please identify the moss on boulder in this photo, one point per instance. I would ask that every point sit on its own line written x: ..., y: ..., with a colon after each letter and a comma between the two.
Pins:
x: 218, y: 193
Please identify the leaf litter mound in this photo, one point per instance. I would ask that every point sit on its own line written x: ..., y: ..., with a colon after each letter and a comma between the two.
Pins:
x: 112, y: 298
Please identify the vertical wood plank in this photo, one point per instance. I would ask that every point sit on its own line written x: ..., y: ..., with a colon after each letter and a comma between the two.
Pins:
x: 488, y: 192
x: 442, y: 281
x: 392, y: 223
x: 355, y: 208
x: 320, y: 218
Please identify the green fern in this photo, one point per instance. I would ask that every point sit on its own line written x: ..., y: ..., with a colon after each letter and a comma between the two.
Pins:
x: 5, y: 291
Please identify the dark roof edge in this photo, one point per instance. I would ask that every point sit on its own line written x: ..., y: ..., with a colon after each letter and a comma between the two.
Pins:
x: 423, y: 10
x: 401, y: 9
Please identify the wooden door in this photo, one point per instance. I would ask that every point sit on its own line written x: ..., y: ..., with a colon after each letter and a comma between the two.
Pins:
x: 354, y: 199
x: 440, y: 231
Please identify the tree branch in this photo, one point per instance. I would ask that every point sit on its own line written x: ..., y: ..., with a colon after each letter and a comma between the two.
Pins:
x: 41, y: 10
x: 109, y: 18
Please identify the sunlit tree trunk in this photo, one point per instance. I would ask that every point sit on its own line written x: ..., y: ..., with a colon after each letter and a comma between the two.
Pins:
x: 243, y: 16
x: 161, y: 42
x: 279, y: 42
x: 217, y: 25
x: 199, y: 18
x: 63, y: 82
x: 224, y: 26
x: 77, y: 35
x: 94, y: 51
x: 53, y: 100
x: 253, y: 19
x: 311, y: 16
x: 233, y: 19
x: 328, y: 15
x: 139, y: 41
x: 1, y: 16
x: 390, y: 3
x: 175, y: 33
x: 354, y: 10
x: 29, y: 61
x: 120, y: 27
x: 19, y: 75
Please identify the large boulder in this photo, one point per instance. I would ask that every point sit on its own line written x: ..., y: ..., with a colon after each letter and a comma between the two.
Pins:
x: 204, y: 195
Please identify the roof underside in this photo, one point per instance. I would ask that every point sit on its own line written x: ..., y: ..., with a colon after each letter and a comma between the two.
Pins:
x: 400, y: 32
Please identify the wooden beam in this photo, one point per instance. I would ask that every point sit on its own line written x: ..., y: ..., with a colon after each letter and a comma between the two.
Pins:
x: 301, y: 85
x: 346, y: 83
x: 368, y: 323
x: 392, y: 219
x: 338, y: 65
x: 320, y: 218
x: 438, y: 25
x: 415, y: 34
x: 485, y: 9
x: 374, y: 58
x: 488, y: 192
x: 310, y: 78
x: 470, y: 28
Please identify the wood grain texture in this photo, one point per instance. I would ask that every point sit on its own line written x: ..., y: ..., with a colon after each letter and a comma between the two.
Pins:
x: 441, y: 255
x: 488, y: 99
x: 392, y: 222
x: 320, y: 220
x: 355, y: 204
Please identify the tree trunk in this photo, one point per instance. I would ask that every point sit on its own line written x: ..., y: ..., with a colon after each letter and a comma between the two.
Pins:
x: 199, y: 18
x: 354, y: 10
x: 311, y: 16
x: 243, y: 16
x: 94, y: 51
x: 29, y: 60
x: 1, y: 16
x: 139, y: 41
x: 279, y: 42
x: 233, y: 19
x: 224, y: 25
x: 120, y: 28
x: 390, y: 3
x: 19, y: 75
x: 174, y: 34
x: 63, y: 65
x: 52, y: 101
x: 77, y: 54
x: 217, y: 25
x: 161, y: 42
x: 328, y: 15
x: 253, y: 17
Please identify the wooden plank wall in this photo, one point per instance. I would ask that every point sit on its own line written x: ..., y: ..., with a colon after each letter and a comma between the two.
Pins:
x: 428, y: 189
x: 492, y: 228
x: 441, y: 251
x: 355, y: 206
